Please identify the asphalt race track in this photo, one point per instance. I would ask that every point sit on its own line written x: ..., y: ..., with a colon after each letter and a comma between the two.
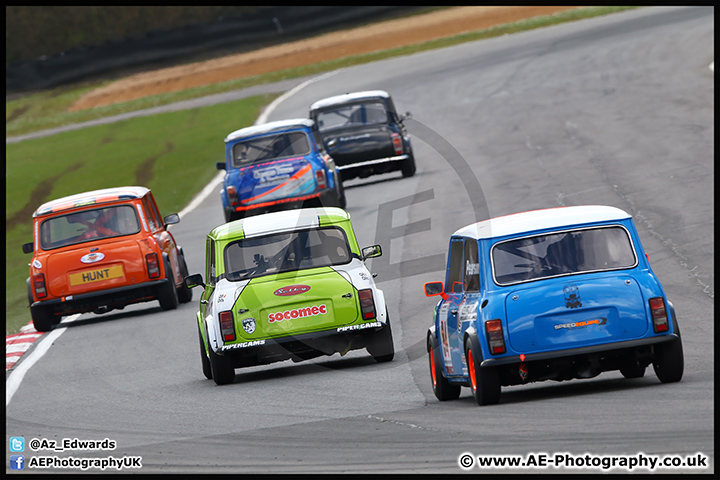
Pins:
x: 616, y: 110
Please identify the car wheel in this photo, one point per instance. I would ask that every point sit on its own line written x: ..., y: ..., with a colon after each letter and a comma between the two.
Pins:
x: 382, y: 348
x: 205, y: 361
x: 43, y: 318
x: 632, y: 369
x: 221, y: 369
x: 231, y: 216
x: 342, y: 199
x: 484, y: 382
x: 184, y: 293
x: 669, y: 363
x: 408, y: 166
x: 442, y: 389
x: 167, y: 293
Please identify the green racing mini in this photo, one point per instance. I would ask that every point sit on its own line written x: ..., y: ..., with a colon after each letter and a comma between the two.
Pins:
x: 287, y: 285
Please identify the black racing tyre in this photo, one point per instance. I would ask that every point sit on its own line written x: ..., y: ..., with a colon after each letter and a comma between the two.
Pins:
x: 43, y: 318
x: 184, y: 293
x: 167, y: 293
x: 669, y: 362
x: 222, y: 370
x: 484, y: 382
x: 382, y: 348
x: 231, y: 216
x: 442, y: 389
x: 408, y: 165
x: 342, y: 199
x: 205, y: 361
x: 632, y: 369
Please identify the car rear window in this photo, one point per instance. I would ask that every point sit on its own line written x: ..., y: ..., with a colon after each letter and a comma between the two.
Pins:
x: 88, y: 225
x: 284, y: 252
x: 270, y: 147
x: 564, y: 253
x: 357, y: 114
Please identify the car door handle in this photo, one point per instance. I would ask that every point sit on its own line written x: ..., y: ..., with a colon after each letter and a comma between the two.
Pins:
x: 347, y: 295
x: 454, y: 311
x: 204, y: 302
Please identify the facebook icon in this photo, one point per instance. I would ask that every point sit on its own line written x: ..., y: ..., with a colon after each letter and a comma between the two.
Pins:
x: 17, y: 462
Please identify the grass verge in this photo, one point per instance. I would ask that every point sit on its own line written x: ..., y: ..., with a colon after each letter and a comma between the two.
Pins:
x: 46, y: 110
x: 174, y: 154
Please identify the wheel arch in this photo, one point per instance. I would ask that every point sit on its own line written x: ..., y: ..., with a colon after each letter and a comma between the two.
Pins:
x: 472, y: 334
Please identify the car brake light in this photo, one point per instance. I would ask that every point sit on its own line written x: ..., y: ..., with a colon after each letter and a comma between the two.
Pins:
x: 39, y: 284
x: 232, y: 195
x: 227, y: 326
x: 151, y: 259
x: 367, y: 304
x: 321, y: 180
x: 659, y: 314
x: 397, y: 143
x: 496, y: 341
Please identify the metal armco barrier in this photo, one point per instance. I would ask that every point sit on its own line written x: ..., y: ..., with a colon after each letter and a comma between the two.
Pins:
x: 225, y: 36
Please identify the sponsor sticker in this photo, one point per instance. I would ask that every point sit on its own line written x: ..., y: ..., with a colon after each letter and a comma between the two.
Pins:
x: 291, y: 290
x: 298, y: 313
x: 359, y: 327
x: 249, y: 325
x: 583, y: 324
x: 274, y: 174
x: 472, y: 268
x: 235, y: 346
x: 92, y: 257
x: 572, y: 296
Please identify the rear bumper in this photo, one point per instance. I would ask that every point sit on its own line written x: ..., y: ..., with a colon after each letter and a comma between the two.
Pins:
x: 556, y: 354
x: 372, y: 163
x: 327, y: 196
x: 109, y: 299
x: 377, y: 166
x: 304, y: 346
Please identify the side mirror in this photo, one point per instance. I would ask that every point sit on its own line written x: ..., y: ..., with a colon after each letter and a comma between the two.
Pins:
x: 27, y: 247
x: 220, y: 165
x: 371, y: 252
x: 192, y: 281
x: 434, y: 288
x: 171, y: 219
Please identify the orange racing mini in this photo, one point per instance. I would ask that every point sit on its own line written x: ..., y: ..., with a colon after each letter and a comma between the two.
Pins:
x: 102, y: 250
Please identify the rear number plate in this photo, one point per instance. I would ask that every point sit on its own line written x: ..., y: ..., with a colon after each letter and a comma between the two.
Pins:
x: 97, y: 275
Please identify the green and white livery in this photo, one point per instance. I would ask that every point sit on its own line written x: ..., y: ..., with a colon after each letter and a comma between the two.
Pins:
x: 288, y: 285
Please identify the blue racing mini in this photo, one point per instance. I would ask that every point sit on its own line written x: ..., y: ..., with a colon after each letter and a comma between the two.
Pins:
x: 551, y: 294
x: 277, y: 166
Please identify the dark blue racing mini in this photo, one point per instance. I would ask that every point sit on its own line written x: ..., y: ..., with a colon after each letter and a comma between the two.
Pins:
x: 552, y: 294
x: 277, y: 166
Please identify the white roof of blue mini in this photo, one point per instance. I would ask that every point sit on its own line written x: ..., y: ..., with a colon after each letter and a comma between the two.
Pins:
x: 349, y: 97
x: 550, y: 218
x: 269, y: 127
